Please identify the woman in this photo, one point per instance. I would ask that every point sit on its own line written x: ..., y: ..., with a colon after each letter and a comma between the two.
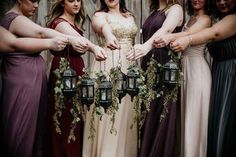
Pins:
x: 195, y: 95
x: 66, y: 16
x: 222, y: 47
x: 157, y: 138
x: 116, y: 29
x: 24, y: 77
x: 9, y: 43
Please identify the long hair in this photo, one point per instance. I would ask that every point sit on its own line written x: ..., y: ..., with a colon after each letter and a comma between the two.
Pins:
x: 57, y: 10
x: 190, y: 10
x: 154, y: 4
x: 123, y: 9
x: 216, y: 12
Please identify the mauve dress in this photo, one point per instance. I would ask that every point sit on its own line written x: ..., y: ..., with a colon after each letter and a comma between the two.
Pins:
x: 157, y: 138
x: 23, y: 101
x: 57, y: 144
x: 222, y: 112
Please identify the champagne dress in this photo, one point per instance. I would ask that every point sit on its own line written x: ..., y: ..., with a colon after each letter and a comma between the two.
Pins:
x: 195, y: 101
x: 124, y: 143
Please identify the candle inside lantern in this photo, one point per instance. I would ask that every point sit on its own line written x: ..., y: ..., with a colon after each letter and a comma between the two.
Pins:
x: 84, y: 92
x: 90, y: 91
x: 131, y: 83
x: 103, y: 94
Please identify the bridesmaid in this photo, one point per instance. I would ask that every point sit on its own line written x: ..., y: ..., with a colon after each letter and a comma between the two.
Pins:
x: 66, y: 16
x: 158, y: 138
x: 24, y: 78
x: 195, y: 96
x: 116, y: 29
x: 222, y: 47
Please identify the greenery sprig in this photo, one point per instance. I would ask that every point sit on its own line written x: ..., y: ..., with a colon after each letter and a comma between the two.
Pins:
x: 76, y: 110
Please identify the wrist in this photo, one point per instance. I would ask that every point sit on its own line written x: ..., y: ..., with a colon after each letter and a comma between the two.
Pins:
x: 190, y: 39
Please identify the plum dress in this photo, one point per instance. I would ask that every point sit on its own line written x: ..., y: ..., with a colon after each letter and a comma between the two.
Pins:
x: 23, y: 102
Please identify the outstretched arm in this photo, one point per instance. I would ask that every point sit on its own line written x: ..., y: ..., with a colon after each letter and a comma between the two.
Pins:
x: 174, y: 18
x: 65, y: 28
x: 101, y: 27
x: 202, y: 22
x: 31, y: 29
x: 9, y: 43
x: 223, y: 29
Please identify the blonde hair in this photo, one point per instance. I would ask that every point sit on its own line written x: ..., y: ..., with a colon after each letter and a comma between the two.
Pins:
x: 57, y: 10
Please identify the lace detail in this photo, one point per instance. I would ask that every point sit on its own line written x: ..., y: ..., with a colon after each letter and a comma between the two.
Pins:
x: 125, y: 33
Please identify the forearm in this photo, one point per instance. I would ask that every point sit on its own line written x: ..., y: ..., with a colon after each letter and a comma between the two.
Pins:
x: 106, y: 31
x: 202, y: 37
x: 30, y: 45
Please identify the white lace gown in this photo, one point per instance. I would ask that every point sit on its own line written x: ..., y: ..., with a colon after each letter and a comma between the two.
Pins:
x: 125, y: 142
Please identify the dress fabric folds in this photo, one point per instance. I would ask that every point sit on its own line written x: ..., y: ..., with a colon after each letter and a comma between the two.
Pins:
x: 157, y: 138
x: 124, y: 143
x: 222, y: 118
x: 23, y: 102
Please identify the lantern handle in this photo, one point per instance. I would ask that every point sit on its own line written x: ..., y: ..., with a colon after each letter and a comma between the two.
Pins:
x: 119, y: 60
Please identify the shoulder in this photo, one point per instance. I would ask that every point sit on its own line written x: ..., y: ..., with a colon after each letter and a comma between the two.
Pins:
x: 176, y: 7
x: 100, y: 14
x: 205, y: 19
x: 56, y: 22
x: 175, y: 10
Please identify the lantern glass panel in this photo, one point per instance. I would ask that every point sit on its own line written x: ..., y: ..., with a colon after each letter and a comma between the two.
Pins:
x: 84, y: 92
x: 90, y: 91
x: 173, y: 75
x: 103, y: 94
x: 166, y: 75
x: 131, y: 83
x: 67, y: 83
x: 120, y: 83
x: 124, y: 85
x: 73, y: 82
x: 109, y: 96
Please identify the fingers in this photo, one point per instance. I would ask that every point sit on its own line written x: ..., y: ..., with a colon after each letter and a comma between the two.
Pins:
x: 134, y: 54
x: 159, y: 43
x: 113, y: 45
x: 175, y: 46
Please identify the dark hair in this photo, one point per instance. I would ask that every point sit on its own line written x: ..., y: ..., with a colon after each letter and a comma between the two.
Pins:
x: 104, y: 7
x: 190, y: 10
x: 154, y: 4
x: 216, y: 12
x: 57, y: 10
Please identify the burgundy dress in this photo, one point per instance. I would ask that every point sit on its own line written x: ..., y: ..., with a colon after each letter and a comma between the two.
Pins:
x: 157, y: 138
x: 58, y: 145
x: 23, y: 101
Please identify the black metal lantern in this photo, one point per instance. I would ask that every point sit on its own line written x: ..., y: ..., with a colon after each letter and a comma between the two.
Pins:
x: 170, y: 73
x: 69, y: 81
x: 87, y: 91
x: 157, y: 79
x: 105, y: 94
x: 131, y: 87
x: 121, y: 88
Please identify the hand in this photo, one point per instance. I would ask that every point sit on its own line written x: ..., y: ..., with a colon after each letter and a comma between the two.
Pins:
x: 180, y: 44
x: 112, y: 42
x: 100, y: 53
x: 58, y: 43
x: 162, y: 41
x: 137, y: 51
x: 79, y: 44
